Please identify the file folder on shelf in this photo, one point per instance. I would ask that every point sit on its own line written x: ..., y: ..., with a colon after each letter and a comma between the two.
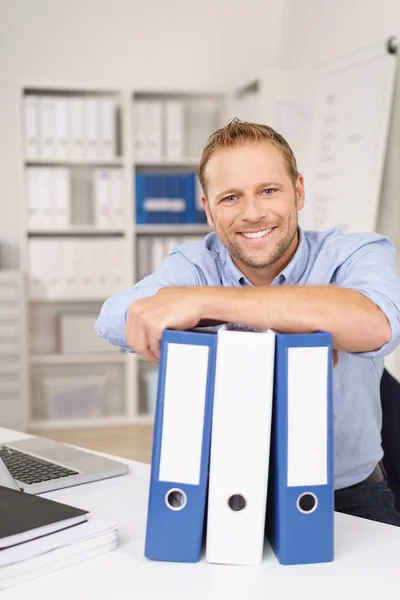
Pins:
x: 240, y: 446
x: 165, y: 198
x: 300, y: 507
x: 181, y: 446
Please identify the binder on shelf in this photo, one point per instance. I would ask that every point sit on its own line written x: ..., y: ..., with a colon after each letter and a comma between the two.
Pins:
x: 62, y: 198
x: 61, y: 127
x: 46, y: 197
x: 76, y: 268
x: 154, y: 114
x: 48, y: 192
x: 174, y: 129
x: 165, y: 198
x: 140, y: 131
x: 181, y: 446
x: 31, y: 127
x: 300, y: 508
x: 107, y: 128
x: 240, y: 446
x: 32, y: 198
x: 102, y: 197
x: 77, y: 128
x: 47, y: 126
x: 91, y: 132
x: 117, y: 194
x: 108, y: 198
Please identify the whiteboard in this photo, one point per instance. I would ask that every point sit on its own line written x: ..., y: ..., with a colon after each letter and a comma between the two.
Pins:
x: 350, y: 131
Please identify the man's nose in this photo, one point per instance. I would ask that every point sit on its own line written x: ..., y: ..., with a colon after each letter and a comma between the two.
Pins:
x: 254, y: 209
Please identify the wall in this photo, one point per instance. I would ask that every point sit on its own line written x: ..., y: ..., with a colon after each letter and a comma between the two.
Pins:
x: 136, y: 43
x: 317, y: 30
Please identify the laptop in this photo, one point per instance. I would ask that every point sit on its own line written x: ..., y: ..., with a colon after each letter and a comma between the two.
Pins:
x: 39, y: 465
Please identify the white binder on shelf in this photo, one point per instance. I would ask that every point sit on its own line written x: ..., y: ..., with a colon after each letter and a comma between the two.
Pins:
x: 61, y: 216
x: 117, y: 199
x: 91, y: 132
x: 32, y: 175
x: 100, y: 274
x: 240, y: 446
x: 31, y: 127
x: 102, y: 199
x: 46, y: 198
x: 106, y: 112
x: 154, y: 124
x: 174, y: 129
x: 140, y: 134
x: 117, y: 265
x: 36, y: 283
x: 69, y: 269
x: 77, y: 117
x: 53, y: 260
x: 87, y: 252
x: 61, y: 127
x: 47, y: 126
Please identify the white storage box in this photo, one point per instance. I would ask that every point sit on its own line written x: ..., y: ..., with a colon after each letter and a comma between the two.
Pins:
x: 74, y: 397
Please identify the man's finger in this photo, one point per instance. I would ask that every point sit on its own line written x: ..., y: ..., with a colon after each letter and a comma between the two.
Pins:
x: 154, y: 344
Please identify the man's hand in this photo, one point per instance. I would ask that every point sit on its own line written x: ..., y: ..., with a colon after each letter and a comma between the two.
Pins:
x: 171, y: 307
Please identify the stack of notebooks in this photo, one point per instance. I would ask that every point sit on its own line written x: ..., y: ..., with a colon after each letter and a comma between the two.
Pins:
x: 39, y: 536
x: 242, y: 448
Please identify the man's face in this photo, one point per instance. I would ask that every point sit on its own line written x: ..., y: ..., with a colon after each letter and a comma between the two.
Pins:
x: 253, y: 205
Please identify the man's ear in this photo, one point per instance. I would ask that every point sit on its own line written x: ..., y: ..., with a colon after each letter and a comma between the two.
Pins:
x: 300, y: 192
x: 206, y: 207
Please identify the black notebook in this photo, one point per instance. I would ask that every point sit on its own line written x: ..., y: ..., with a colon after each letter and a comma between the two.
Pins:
x: 25, y: 517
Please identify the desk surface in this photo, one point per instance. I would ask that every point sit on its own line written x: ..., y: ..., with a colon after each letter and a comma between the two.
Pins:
x: 366, y: 565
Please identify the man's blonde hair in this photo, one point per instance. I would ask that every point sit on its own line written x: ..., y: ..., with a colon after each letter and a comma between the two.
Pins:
x: 236, y: 133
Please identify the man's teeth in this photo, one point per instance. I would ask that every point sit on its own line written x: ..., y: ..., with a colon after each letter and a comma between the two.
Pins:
x: 258, y: 234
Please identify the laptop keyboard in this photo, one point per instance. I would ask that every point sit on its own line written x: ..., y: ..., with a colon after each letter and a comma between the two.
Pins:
x: 30, y: 469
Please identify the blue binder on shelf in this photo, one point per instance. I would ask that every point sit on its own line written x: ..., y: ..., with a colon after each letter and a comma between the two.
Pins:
x: 165, y: 198
x: 300, y: 505
x: 181, y: 446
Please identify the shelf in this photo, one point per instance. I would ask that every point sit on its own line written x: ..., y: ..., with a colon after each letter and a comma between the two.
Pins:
x: 184, y: 229
x: 74, y: 162
x: 72, y: 359
x: 144, y: 420
x: 164, y: 162
x: 76, y: 230
x: 88, y: 423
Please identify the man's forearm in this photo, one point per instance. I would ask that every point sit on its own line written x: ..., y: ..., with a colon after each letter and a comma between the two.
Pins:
x: 356, y: 323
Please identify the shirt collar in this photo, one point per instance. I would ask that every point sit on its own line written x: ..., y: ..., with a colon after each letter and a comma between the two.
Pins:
x: 293, y: 271
x: 291, y: 274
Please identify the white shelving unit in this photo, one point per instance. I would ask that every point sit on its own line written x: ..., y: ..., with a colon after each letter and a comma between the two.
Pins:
x: 120, y: 379
x: 13, y: 365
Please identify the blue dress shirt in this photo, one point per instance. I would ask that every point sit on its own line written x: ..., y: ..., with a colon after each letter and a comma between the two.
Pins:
x: 362, y: 261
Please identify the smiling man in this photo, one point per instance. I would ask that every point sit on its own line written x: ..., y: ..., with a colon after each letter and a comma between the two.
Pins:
x: 260, y: 269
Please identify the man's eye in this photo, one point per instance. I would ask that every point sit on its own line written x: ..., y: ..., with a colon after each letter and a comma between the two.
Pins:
x: 269, y: 191
x: 229, y: 198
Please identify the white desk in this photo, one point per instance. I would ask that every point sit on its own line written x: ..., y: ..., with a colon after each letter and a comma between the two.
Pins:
x: 367, y: 561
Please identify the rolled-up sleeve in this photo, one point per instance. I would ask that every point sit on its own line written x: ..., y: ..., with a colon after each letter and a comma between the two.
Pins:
x: 371, y: 270
x: 176, y: 270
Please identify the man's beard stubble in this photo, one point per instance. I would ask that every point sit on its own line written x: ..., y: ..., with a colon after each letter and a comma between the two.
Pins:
x: 236, y: 251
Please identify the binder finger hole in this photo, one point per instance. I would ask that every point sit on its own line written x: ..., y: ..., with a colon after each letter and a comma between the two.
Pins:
x: 175, y: 499
x: 237, y: 502
x: 307, y: 503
